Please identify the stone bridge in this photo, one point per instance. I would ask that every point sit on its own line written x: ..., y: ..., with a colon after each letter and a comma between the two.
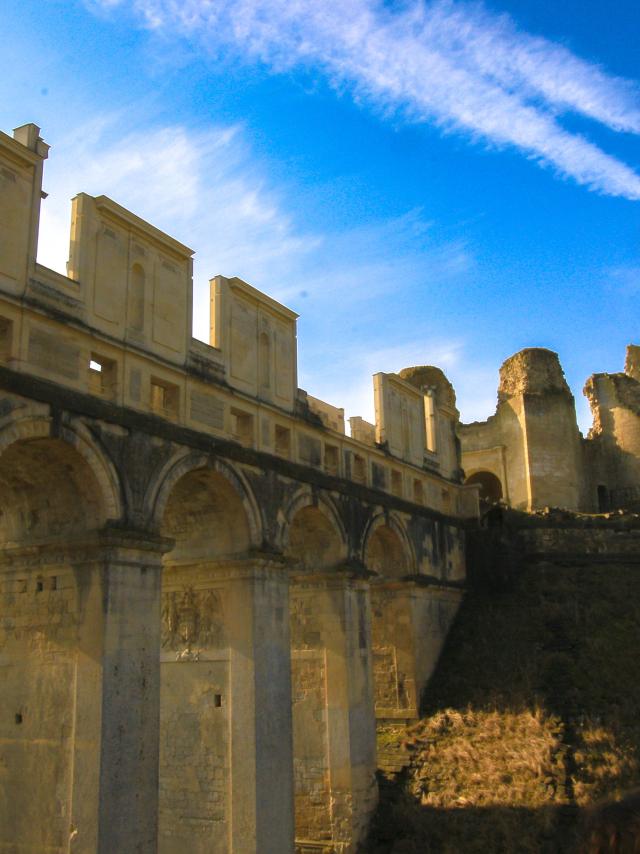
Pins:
x: 208, y: 591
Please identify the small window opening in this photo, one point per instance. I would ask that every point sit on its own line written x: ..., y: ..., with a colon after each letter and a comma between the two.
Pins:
x: 19, y: 718
x: 430, y: 421
x: 242, y: 426
x: 396, y: 483
x: 53, y: 582
x: 6, y: 334
x: 217, y: 700
x: 164, y: 398
x: 102, y: 375
x: 39, y: 585
x: 359, y: 471
x: 604, y: 503
x: 331, y: 459
x: 283, y: 441
x: 418, y: 492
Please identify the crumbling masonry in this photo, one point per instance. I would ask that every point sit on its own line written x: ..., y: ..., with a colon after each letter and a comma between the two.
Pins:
x: 531, y: 455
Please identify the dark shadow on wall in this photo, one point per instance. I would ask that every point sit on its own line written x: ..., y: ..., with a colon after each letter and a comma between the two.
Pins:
x: 402, y: 826
x: 532, y: 715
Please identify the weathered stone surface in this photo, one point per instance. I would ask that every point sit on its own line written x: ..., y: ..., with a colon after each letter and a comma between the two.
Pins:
x: 530, y: 454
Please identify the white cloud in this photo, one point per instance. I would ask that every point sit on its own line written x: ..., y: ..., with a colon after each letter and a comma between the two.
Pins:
x: 452, y: 64
x: 206, y: 189
x: 534, y: 66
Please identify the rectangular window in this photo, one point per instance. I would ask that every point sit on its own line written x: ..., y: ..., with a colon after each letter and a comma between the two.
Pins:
x: 242, y: 426
x: 359, y: 469
x: 6, y: 335
x: 164, y: 398
x: 102, y: 376
x: 283, y: 441
x: 379, y: 476
x: 430, y: 422
x: 418, y: 492
x: 396, y: 483
x: 331, y: 459
x: 309, y: 449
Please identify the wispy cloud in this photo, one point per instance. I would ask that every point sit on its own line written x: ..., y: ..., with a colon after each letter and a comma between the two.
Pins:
x: 207, y: 189
x: 624, y: 280
x: 453, y: 64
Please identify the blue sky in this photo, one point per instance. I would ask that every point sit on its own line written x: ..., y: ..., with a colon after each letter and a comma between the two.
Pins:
x: 439, y: 183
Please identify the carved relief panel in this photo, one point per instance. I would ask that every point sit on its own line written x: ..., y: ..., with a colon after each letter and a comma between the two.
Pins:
x: 192, y: 620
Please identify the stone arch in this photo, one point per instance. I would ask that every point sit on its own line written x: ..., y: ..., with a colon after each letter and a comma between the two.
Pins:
x: 490, y: 485
x: 311, y: 532
x: 386, y: 548
x: 53, y: 485
x: 206, y: 503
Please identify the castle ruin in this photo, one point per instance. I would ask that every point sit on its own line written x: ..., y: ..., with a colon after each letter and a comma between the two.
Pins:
x: 531, y: 455
x: 209, y: 592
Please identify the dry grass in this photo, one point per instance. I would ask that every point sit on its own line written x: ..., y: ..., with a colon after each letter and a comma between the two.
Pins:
x: 533, y: 715
x: 478, y: 758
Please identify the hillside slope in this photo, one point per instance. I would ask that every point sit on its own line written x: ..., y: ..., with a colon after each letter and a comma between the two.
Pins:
x: 532, y: 715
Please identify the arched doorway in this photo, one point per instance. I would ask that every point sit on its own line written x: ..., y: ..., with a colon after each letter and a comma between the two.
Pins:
x: 387, y: 554
x: 205, y: 516
x: 490, y: 486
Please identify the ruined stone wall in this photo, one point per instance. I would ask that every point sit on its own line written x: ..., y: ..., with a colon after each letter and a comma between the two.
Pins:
x: 532, y: 443
x: 613, y: 447
x: 533, y: 446
x: 550, y: 434
x: 334, y: 751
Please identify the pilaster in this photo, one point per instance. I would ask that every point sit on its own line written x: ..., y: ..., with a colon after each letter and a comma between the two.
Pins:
x: 333, y: 712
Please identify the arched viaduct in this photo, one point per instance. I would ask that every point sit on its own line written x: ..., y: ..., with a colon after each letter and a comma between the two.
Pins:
x: 208, y: 592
